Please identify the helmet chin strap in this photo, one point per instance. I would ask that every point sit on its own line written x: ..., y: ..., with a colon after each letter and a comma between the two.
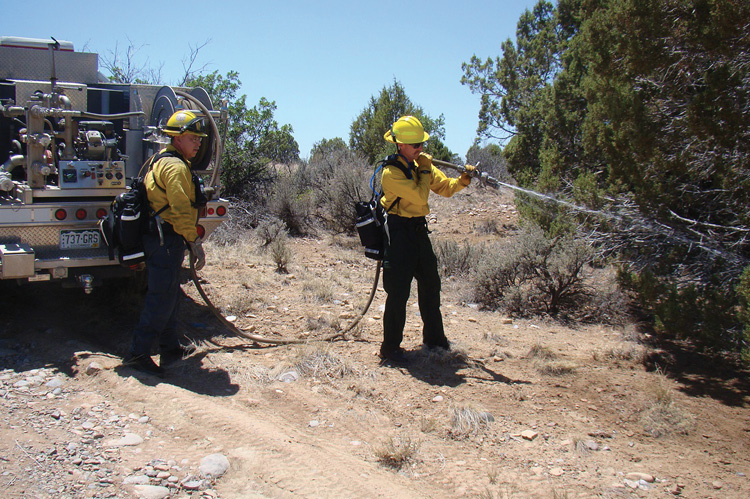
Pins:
x: 398, y: 153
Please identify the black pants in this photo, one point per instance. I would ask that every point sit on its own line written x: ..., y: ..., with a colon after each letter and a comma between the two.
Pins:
x: 408, y: 256
x: 158, y: 321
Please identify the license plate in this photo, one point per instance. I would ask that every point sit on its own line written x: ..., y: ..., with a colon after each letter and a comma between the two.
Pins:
x: 79, y: 239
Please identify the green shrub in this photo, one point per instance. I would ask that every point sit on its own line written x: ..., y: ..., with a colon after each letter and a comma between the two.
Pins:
x: 456, y: 259
x: 707, y: 315
x: 743, y: 295
x: 269, y: 230
x: 281, y: 254
x: 291, y: 201
x: 340, y: 178
x: 534, y: 275
x: 242, y: 217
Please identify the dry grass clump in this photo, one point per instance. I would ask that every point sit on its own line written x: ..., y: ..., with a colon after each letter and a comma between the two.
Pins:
x: 501, y: 354
x: 468, y: 421
x: 318, y: 290
x: 427, y: 424
x: 498, y: 339
x: 661, y: 420
x: 555, y: 367
x: 269, y: 230
x: 506, y: 491
x: 539, y: 351
x: 456, y: 356
x: 663, y: 417
x: 255, y: 373
x: 238, y: 304
x: 493, y: 474
x: 319, y: 361
x: 581, y: 446
x: 545, y: 361
x: 627, y: 352
x: 395, y: 453
x: 489, y: 227
x: 239, y: 253
x: 322, y: 322
x: 346, y: 242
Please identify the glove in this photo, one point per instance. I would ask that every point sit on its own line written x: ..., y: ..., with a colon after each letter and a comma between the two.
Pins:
x: 197, y: 253
x: 424, y: 162
x: 469, y: 171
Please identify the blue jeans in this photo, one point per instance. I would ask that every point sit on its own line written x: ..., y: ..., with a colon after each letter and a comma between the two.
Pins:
x: 158, y: 319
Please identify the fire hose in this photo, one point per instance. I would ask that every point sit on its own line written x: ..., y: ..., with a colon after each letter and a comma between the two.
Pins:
x: 278, y: 341
x: 483, y: 177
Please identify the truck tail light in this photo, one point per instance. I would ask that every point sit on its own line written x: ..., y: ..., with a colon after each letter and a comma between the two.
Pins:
x: 81, y: 214
x: 201, y: 231
x: 221, y: 211
x: 61, y: 214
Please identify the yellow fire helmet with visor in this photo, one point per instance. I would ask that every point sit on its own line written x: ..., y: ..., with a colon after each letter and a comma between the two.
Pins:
x: 184, y: 122
x: 406, y: 130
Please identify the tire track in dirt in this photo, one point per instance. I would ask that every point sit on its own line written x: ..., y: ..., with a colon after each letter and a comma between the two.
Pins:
x: 263, y: 448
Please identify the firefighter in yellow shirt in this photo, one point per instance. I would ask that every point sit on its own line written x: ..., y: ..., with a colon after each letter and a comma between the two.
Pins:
x: 408, y: 251
x: 173, y: 195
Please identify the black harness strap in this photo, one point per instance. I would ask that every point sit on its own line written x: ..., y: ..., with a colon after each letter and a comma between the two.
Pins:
x: 153, y: 159
x: 200, y: 196
x: 392, y: 160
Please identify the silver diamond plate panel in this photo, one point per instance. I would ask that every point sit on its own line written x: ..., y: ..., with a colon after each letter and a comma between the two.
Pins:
x: 45, y: 240
x: 34, y: 64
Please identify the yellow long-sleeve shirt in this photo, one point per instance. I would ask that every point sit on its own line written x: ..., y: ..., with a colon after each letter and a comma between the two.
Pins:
x: 414, y: 192
x: 174, y: 188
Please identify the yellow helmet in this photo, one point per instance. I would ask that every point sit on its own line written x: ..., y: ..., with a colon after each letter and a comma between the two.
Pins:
x: 184, y: 122
x: 407, y: 130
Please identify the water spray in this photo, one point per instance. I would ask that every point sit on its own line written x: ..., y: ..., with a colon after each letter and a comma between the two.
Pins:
x: 486, y: 180
x: 646, y: 224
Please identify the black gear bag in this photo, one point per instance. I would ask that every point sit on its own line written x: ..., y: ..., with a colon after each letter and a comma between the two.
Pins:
x: 128, y: 219
x: 371, y: 227
x: 371, y: 218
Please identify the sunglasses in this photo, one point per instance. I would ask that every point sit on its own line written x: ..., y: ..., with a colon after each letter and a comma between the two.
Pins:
x: 418, y: 145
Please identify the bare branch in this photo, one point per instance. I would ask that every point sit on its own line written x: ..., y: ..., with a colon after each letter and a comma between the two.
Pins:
x: 189, y: 61
x: 123, y: 68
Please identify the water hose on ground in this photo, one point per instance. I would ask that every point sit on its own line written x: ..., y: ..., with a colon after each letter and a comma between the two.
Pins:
x: 279, y: 341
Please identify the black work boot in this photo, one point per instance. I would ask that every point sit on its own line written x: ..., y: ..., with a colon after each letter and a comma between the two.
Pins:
x: 397, y: 357
x: 145, y: 364
x: 172, y: 355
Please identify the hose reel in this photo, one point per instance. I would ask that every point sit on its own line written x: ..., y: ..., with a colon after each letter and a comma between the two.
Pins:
x: 167, y: 102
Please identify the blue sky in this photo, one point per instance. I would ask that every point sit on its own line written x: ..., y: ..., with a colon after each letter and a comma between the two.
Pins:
x: 321, y: 62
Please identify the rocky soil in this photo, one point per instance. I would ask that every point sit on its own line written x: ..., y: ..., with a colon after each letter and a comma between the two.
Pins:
x: 518, y: 409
